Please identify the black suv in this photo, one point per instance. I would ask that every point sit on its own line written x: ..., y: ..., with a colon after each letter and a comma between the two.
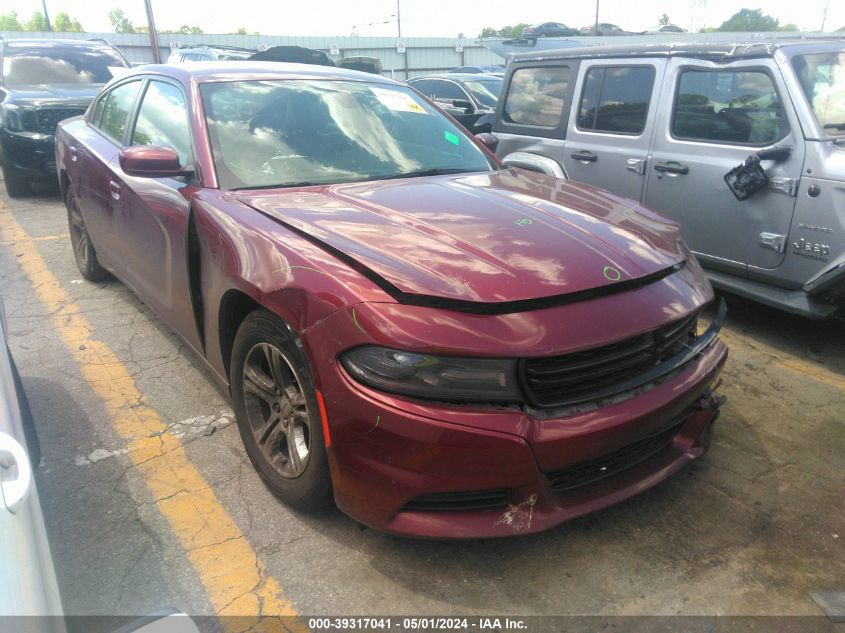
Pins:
x: 41, y: 83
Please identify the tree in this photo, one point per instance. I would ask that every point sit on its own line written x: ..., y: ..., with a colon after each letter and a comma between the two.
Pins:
x: 841, y: 29
x: 38, y: 23
x: 505, y: 31
x: 120, y: 22
x: 241, y: 31
x: 195, y: 30
x: 789, y: 27
x: 9, y: 22
x: 65, y: 24
x: 749, y: 20
x: 664, y: 20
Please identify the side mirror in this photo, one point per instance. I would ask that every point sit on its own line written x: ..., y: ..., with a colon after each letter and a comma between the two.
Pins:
x: 151, y: 161
x: 463, y: 104
x: 488, y: 140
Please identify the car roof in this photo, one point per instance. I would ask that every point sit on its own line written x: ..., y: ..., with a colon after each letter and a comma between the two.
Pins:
x: 458, y: 76
x: 705, y: 50
x: 211, y: 71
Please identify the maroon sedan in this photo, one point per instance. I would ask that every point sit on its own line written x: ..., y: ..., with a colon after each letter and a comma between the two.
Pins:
x: 445, y: 346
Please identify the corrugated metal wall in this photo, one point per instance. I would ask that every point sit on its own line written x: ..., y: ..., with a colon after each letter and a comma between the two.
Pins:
x: 422, y: 54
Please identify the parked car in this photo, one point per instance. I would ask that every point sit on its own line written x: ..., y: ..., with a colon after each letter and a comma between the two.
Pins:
x: 208, y: 52
x: 362, y: 63
x: 548, y: 29
x: 466, y: 97
x: 605, y: 29
x: 497, y: 70
x: 27, y: 576
x: 448, y: 346
x: 292, y: 54
x: 744, y: 145
x: 665, y: 28
x: 41, y: 83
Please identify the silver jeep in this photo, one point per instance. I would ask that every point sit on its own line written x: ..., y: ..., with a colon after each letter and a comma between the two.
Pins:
x: 743, y: 144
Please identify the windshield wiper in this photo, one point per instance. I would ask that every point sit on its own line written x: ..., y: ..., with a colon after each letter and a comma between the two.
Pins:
x: 286, y: 185
x: 426, y: 172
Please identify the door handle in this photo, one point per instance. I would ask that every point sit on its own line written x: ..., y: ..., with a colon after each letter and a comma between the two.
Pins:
x: 115, y: 189
x: 585, y: 156
x: 15, y: 473
x: 71, y: 150
x: 671, y: 167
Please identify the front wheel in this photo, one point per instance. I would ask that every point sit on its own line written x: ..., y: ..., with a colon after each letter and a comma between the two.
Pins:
x: 276, y: 408
x: 16, y: 186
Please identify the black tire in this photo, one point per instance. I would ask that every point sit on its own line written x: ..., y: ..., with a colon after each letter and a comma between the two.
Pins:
x: 278, y: 416
x: 84, y: 252
x: 16, y: 187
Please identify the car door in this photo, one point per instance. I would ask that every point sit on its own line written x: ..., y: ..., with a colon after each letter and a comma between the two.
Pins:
x: 151, y: 214
x: 611, y: 126
x: 96, y: 148
x: 714, y: 117
x: 446, y: 93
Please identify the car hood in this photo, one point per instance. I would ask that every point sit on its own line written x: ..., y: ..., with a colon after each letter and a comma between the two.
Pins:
x: 62, y: 93
x: 488, y: 238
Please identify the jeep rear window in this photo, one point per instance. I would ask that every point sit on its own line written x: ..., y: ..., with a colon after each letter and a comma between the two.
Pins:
x: 822, y: 78
x: 615, y: 99
x: 537, y: 96
x: 728, y: 106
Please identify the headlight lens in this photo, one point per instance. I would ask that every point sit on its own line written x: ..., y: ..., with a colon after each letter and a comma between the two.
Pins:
x: 434, y: 377
x: 13, y: 118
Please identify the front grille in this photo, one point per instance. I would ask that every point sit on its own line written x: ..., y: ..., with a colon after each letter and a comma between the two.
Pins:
x: 592, y: 374
x: 48, y: 118
x: 459, y: 501
x: 611, y: 463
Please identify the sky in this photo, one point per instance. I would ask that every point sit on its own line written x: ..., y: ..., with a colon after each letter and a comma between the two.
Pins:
x: 423, y: 18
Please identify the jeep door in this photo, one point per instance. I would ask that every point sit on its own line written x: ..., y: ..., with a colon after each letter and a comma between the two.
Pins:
x: 610, y: 129
x: 714, y: 116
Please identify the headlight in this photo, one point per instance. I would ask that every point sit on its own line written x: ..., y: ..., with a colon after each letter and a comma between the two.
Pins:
x: 13, y: 118
x: 434, y: 377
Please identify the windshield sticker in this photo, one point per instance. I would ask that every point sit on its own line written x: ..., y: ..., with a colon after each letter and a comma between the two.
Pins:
x: 397, y: 101
x: 452, y: 138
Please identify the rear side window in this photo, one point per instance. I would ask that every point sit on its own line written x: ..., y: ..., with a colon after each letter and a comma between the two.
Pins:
x: 447, y: 91
x: 537, y: 96
x: 615, y: 99
x: 728, y: 106
x: 163, y: 120
x: 119, y: 103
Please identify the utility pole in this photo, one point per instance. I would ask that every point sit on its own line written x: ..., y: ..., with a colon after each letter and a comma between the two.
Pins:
x: 151, y: 25
x: 824, y: 15
x: 46, y: 17
x: 398, y: 21
x: 597, y: 18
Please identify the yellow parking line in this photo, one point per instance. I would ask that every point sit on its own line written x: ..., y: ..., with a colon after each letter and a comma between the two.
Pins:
x: 234, y: 578
x: 815, y: 372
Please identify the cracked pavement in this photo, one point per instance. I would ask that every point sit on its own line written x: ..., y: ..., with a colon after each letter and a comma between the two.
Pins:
x: 752, y: 528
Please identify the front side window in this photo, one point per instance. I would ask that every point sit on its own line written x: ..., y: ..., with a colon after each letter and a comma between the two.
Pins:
x: 728, y: 106
x: 615, y: 99
x: 822, y: 77
x: 537, y: 96
x: 281, y: 133
x: 485, y: 91
x: 447, y: 91
x: 52, y: 64
x: 163, y: 120
x: 119, y: 103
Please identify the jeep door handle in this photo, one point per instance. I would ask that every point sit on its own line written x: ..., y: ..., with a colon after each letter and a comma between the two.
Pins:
x: 115, y: 189
x: 671, y: 167
x: 585, y: 157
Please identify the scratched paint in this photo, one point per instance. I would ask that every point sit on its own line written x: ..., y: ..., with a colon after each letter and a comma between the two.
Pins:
x: 234, y: 578
x: 518, y: 517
